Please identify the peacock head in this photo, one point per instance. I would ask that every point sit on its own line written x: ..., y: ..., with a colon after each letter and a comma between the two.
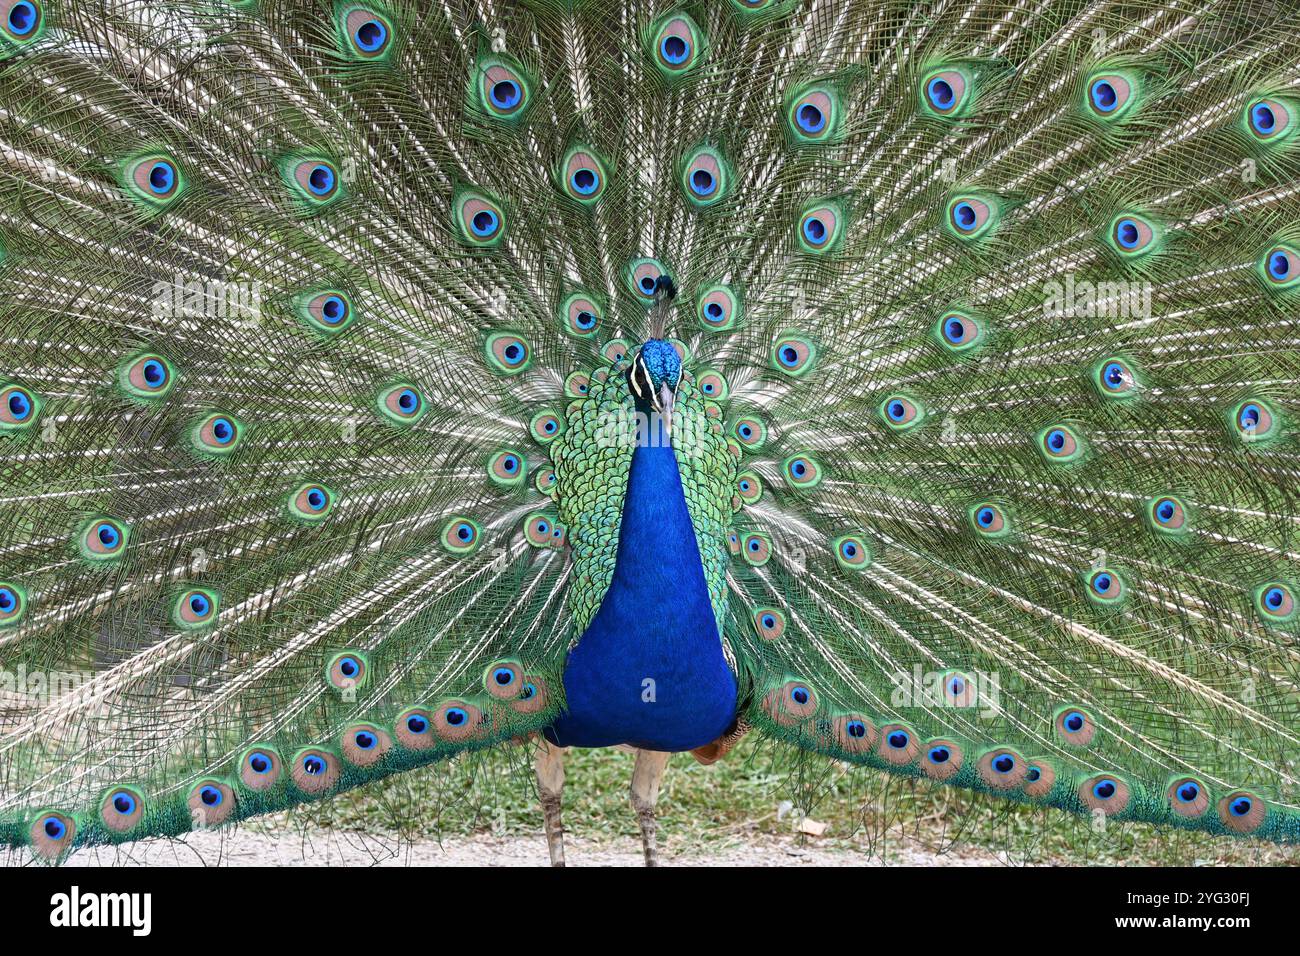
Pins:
x: 657, y: 369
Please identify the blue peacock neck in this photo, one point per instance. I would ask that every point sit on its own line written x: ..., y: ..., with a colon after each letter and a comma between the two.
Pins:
x: 649, y: 670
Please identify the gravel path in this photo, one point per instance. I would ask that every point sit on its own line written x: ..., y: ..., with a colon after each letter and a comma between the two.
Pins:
x: 332, y: 848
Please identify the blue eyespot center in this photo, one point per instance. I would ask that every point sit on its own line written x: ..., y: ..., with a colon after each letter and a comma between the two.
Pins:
x: 856, y: 729
x: 108, y: 535
x: 20, y: 406
x: 800, y: 695
x: 349, y: 667
x: 259, y: 762
x: 585, y: 181
x: 530, y: 691
x: 954, y: 330
x: 124, y: 803
x: 1104, y: 789
x: 8, y: 600
x: 898, y: 739
x: 897, y: 410
x: 674, y: 49
x: 1074, y: 721
x: 1032, y: 774
x: 484, y: 222
x: 1274, y: 598
x: 222, y: 430
x: 963, y: 214
x: 1101, y: 583
x: 408, y: 401
x: 940, y: 755
x: 1104, y: 96
x: 1004, y: 763
x: 713, y: 311
x: 769, y: 621
x: 1241, y: 806
x: 22, y: 18
x: 371, y: 35
x: 154, y: 372
x: 199, y: 604
x: 1126, y: 232
x: 505, y: 94
x: 54, y: 828
x: 503, y: 675
x: 313, y: 765
x: 940, y: 93
x: 161, y: 177
x: 1279, y: 266
x: 1165, y: 511
x: 1262, y: 118
x: 416, y: 724
x: 1188, y: 792
x: 455, y: 716
x: 364, y: 739
x: 1114, y: 374
x: 849, y: 549
x: 702, y: 182
x: 985, y: 517
x: 811, y: 119
x: 334, y: 309
x: 210, y: 796
x: 1249, y: 416
x: 814, y: 230
x: 1056, y: 439
x: 799, y: 467
x: 316, y: 499
x: 321, y: 179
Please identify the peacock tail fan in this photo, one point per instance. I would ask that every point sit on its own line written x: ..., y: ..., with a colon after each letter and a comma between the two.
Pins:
x: 315, y: 328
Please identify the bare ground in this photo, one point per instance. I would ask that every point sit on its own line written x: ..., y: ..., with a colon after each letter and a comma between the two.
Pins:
x: 314, y: 847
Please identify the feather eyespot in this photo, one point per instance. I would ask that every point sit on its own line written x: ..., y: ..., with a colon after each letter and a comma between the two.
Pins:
x: 1111, y: 95
x: 539, y: 529
x: 1188, y: 797
x: 812, y: 115
x: 946, y: 92
x: 989, y: 519
x: 503, y: 680
x: 616, y: 351
x: 583, y: 176
x: 712, y: 385
x: 643, y: 277
x: 942, y: 759
x: 749, y: 487
x: 733, y: 543
x: 217, y: 434
x: 577, y: 385
x: 13, y: 604
x: 259, y: 768
x: 793, y: 355
x: 22, y: 19
x: 820, y: 227
x: 959, y: 332
x: 479, y: 219
x: 851, y: 552
x: 676, y: 44
x: 899, y: 745
x: 756, y: 549
x: 315, y: 770
x: 750, y: 432
x: 122, y: 809
x: 1242, y: 812
x: 854, y: 733
x: 414, y: 729
x: 1254, y: 420
x: 802, y: 472
x: 1275, y: 602
x: 507, y: 468
x: 546, y: 426
x: 1105, y: 586
x: 52, y: 834
x: 156, y: 179
x: 311, y: 502
x: 104, y: 539
x: 148, y: 377
x: 19, y: 408
x: 1075, y: 726
x: 347, y: 670
x: 1040, y: 778
x: 1167, y: 514
x: 1002, y: 769
x: 791, y: 703
x: 211, y: 802
x: 195, y: 608
x: 461, y: 535
x: 369, y: 34
x: 1115, y: 378
x: 580, y: 315
x: 1280, y: 267
x: 1132, y: 235
x: 718, y: 308
x: 1269, y: 119
x: 507, y: 353
x: 533, y: 696
x: 959, y: 690
x: 315, y: 180
x: 902, y: 413
x: 329, y: 311
x: 1106, y: 793
x: 401, y: 404
x: 1060, y: 444
x: 544, y: 480
x: 456, y: 720
x: 769, y: 623
x: 503, y: 90
x: 970, y: 217
x: 363, y: 745
x: 705, y: 177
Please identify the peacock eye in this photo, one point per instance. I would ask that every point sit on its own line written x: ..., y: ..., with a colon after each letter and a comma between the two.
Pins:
x: 705, y: 177
x: 365, y: 740
x: 1110, y: 95
x: 1189, y: 791
x: 416, y: 724
x: 1253, y: 420
x: 959, y: 332
x: 676, y: 44
x: 54, y: 828
x: 103, y: 539
x: 1269, y: 119
x: 503, y: 89
x: 1105, y: 586
x: 461, y: 535
x: 479, y: 219
x: 969, y: 216
x: 813, y: 114
x: 316, y: 180
x: 1104, y: 789
x: 210, y: 796
x: 368, y: 32
x: 939, y: 755
x: 1281, y: 267
x: 945, y: 92
x: 1059, y: 443
x: 22, y: 19
x: 155, y: 179
x: 718, y: 308
x: 820, y: 227
x: 1132, y: 235
x: 1276, y: 602
x: 898, y: 739
x: 901, y: 413
x: 13, y: 603
x: 195, y: 608
x: 259, y: 762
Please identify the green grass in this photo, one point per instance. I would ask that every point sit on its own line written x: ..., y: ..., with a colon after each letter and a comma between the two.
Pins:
x: 737, y: 801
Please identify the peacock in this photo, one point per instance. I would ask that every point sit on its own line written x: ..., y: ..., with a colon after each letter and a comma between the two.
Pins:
x: 913, y: 385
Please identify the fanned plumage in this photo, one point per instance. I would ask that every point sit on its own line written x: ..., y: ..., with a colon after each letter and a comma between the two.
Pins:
x: 318, y: 325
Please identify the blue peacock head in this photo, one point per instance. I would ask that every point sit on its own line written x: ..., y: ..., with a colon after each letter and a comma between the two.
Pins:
x: 657, y: 369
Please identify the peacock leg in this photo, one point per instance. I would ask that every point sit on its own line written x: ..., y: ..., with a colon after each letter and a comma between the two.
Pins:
x: 550, y: 785
x: 647, y: 773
